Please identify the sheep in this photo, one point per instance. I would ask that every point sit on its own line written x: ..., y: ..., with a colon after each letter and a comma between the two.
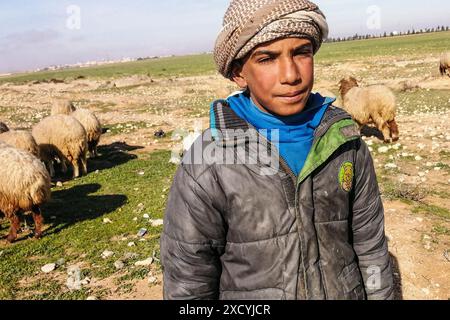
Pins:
x: 63, y: 137
x: 92, y: 126
x: 3, y: 127
x: 444, y: 66
x: 27, y: 188
x: 373, y: 104
x: 87, y: 118
x: 21, y: 140
x: 62, y: 107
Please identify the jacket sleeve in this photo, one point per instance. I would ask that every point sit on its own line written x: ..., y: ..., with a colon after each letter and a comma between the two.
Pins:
x: 193, y: 239
x: 369, y: 240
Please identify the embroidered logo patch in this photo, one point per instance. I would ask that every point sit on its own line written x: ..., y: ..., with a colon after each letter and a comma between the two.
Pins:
x: 346, y: 176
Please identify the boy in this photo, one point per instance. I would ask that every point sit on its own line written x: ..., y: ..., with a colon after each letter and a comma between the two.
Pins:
x: 309, y: 225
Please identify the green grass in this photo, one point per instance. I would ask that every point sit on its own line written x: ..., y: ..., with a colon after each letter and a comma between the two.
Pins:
x: 126, y: 127
x: 423, y: 101
x: 431, y: 209
x: 155, y: 68
x: 76, y: 231
x: 421, y: 44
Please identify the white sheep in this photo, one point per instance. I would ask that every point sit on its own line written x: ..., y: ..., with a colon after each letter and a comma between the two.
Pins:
x: 62, y: 137
x: 86, y: 117
x: 62, y: 107
x: 21, y: 139
x: 444, y: 66
x: 92, y: 126
x: 373, y: 104
x: 27, y: 187
x: 3, y: 127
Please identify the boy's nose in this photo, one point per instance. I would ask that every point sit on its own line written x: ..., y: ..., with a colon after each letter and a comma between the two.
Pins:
x: 289, y: 72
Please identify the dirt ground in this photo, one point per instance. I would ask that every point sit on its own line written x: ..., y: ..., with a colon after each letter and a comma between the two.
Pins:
x: 133, y: 108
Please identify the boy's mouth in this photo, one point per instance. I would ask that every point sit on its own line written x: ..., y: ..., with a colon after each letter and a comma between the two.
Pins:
x: 291, y: 97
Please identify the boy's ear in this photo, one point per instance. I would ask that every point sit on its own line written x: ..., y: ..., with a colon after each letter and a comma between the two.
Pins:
x: 237, y: 74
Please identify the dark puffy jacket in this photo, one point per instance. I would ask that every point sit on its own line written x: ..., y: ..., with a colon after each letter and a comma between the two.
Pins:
x: 253, y: 230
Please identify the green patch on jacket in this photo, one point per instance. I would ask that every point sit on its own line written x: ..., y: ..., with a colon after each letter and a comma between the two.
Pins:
x: 339, y: 133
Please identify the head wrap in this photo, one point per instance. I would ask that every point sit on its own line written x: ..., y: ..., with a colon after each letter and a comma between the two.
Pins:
x: 249, y: 23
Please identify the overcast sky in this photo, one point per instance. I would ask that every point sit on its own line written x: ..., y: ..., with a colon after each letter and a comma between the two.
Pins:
x: 40, y: 33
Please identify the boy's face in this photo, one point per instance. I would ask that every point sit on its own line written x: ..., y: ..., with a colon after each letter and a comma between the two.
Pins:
x: 279, y: 75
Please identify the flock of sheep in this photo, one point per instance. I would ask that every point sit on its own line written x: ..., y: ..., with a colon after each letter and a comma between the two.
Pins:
x: 65, y: 136
x: 68, y: 134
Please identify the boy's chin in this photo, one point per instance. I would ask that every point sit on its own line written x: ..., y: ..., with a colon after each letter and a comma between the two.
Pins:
x: 286, y: 110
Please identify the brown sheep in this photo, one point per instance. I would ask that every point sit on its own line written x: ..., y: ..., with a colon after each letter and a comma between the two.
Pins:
x: 444, y: 66
x: 62, y: 137
x: 25, y: 187
x: 3, y: 127
x: 373, y: 104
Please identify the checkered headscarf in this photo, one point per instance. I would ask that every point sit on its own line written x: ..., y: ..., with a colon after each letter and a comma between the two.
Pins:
x: 249, y: 23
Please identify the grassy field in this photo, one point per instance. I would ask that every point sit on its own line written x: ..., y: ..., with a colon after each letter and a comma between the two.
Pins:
x: 133, y: 175
x: 421, y: 44
x: 125, y: 188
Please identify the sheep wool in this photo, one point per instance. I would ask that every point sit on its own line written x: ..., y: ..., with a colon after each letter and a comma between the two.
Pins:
x: 21, y: 139
x: 444, y: 66
x: 92, y: 126
x: 62, y: 107
x: 373, y: 104
x: 27, y: 187
x: 62, y: 136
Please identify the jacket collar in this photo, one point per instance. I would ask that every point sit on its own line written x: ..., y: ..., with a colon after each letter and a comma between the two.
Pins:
x: 223, y: 121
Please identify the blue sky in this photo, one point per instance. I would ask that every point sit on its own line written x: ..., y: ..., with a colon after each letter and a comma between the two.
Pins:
x: 34, y: 33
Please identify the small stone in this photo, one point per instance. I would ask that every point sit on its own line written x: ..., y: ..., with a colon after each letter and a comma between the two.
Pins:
x: 59, y: 184
x: 107, y: 220
x: 156, y: 223
x: 144, y: 263
x: 141, y: 173
x: 96, y: 171
x: 140, y: 207
x: 383, y: 149
x: 135, y: 219
x: 142, y: 232
x: 119, y: 264
x: 129, y: 255
x: 146, y: 216
x: 60, y: 262
x: 152, y: 280
x: 48, y: 267
x: 106, y: 254
x: 419, y: 219
x: 131, y: 244
x: 91, y: 298
x: 426, y: 291
x: 85, y: 281
x: 418, y: 158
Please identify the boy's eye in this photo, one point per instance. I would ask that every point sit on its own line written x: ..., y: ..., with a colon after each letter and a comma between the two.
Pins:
x: 265, y: 60
x: 305, y: 52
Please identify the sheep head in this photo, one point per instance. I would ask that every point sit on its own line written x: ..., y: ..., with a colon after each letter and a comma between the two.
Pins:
x: 346, y: 84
